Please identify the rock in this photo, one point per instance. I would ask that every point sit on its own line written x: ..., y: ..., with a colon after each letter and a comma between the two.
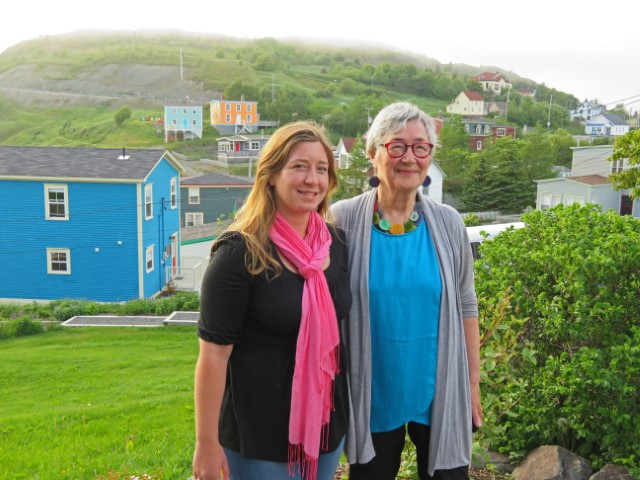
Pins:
x: 612, y: 472
x: 553, y: 463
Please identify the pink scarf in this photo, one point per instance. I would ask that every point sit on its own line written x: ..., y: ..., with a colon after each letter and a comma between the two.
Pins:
x: 317, y: 347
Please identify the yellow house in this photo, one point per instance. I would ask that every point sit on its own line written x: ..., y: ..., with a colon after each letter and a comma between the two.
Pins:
x: 234, y: 116
x: 467, y: 103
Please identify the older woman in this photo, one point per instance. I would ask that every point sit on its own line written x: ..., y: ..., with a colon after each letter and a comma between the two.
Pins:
x: 413, y: 340
x: 270, y: 388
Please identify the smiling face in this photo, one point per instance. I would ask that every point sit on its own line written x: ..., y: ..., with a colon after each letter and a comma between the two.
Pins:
x: 406, y: 173
x: 303, y: 182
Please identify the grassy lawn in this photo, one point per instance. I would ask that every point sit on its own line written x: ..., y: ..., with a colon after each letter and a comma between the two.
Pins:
x: 98, y: 403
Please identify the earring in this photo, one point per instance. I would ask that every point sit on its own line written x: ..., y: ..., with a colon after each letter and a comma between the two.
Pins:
x: 427, y: 181
x: 374, y: 180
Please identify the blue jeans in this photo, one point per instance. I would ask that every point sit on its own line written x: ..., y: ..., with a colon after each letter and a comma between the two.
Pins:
x: 250, y: 469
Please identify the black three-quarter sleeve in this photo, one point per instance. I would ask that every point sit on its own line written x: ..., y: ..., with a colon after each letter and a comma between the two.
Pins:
x: 224, y: 293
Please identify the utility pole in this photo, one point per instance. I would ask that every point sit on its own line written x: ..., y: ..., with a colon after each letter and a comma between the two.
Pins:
x: 549, y: 116
x: 368, y: 109
x: 506, y: 108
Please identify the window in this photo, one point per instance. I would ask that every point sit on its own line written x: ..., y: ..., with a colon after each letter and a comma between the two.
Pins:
x: 571, y: 200
x: 175, y: 110
x: 194, y: 122
x: 148, y: 202
x: 617, y: 166
x: 174, y: 193
x: 59, y: 261
x: 224, y: 147
x: 194, y: 196
x: 254, y: 146
x: 227, y: 107
x: 227, y: 117
x: 193, y: 219
x: 487, y: 130
x: 479, y: 145
x: 184, y: 111
x: 248, y: 107
x: 478, y: 129
x: 501, y: 132
x: 549, y: 200
x: 238, y: 107
x: 56, y: 205
x: 466, y: 128
x: 194, y: 111
x: 249, y: 118
x: 174, y: 121
x: 149, y: 258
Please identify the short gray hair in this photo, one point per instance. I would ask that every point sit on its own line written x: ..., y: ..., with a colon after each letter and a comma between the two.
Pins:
x: 392, y: 119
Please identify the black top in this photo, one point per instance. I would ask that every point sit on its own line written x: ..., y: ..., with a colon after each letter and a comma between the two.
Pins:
x: 261, y: 318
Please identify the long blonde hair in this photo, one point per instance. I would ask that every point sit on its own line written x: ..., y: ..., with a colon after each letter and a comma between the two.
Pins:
x: 255, y: 217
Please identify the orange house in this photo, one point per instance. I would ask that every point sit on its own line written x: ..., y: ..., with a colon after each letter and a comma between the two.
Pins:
x: 234, y: 116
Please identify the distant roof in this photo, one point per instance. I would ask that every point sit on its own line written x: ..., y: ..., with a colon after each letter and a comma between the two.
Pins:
x: 244, y: 138
x: 614, y: 119
x: 81, y: 163
x: 490, y: 77
x: 591, y: 179
x: 348, y: 143
x: 474, y: 96
x: 215, y: 179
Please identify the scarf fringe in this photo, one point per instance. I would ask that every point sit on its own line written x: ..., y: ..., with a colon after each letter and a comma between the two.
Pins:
x: 302, y: 462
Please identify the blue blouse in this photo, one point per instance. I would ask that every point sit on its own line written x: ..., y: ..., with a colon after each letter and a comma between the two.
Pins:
x: 404, y: 290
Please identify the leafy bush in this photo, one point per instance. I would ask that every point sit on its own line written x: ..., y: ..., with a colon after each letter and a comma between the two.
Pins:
x: 20, y: 327
x: 68, y: 308
x: 559, y: 307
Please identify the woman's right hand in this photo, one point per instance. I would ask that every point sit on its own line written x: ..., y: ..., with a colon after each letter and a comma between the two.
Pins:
x: 210, y: 463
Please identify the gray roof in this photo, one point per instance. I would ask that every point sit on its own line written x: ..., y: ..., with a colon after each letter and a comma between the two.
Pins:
x: 80, y: 163
x: 215, y: 179
x: 614, y: 119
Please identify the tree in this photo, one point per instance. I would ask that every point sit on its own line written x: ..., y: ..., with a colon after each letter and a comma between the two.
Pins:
x: 627, y: 146
x: 122, y: 115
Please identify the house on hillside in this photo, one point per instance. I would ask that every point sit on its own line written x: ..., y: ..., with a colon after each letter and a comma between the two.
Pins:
x: 589, y: 183
x: 467, y: 103
x: 587, y: 110
x: 435, y: 190
x: 527, y: 92
x: 343, y: 151
x: 480, y: 131
x: 234, y: 116
x: 241, y: 148
x: 207, y: 198
x: 88, y: 223
x: 606, y: 124
x: 493, y: 82
x: 499, y: 108
x: 182, y: 123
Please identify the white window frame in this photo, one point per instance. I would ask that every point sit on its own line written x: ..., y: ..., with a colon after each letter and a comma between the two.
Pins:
x: 466, y: 128
x: 501, y: 132
x: 253, y: 145
x: 150, y: 258
x: 51, y: 252
x: 148, y: 202
x: 194, y: 196
x: 487, y: 129
x: 174, y: 193
x: 193, y: 219
x: 479, y: 145
x: 227, y: 117
x: 248, y: 107
x: 238, y: 107
x: 224, y: 147
x: 617, y: 165
x: 249, y: 118
x: 227, y: 107
x: 549, y: 200
x: 49, y: 187
x: 478, y: 129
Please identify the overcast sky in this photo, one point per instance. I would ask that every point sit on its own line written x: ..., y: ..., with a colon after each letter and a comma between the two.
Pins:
x: 585, y: 47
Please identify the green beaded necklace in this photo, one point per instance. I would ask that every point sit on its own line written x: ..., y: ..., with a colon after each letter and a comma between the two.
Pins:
x: 385, y: 226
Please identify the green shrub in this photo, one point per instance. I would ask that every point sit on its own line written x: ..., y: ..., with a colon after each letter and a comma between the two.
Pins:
x: 25, y: 326
x: 65, y: 309
x: 559, y: 311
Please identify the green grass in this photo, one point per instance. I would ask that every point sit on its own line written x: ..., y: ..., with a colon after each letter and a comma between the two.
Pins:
x: 93, y: 402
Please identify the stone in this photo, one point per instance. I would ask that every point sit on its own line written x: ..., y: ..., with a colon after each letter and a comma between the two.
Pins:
x: 551, y: 462
x: 612, y: 472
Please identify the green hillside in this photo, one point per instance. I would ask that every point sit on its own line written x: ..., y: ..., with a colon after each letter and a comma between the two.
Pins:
x: 65, y: 90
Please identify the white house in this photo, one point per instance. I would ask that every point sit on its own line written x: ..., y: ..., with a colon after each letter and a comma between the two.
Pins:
x: 587, y: 110
x: 343, y: 151
x: 492, y: 82
x: 606, y: 124
x: 434, y: 190
x: 467, y: 103
x: 588, y: 183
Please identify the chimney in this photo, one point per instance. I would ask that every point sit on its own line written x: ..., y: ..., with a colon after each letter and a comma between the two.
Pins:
x: 124, y: 155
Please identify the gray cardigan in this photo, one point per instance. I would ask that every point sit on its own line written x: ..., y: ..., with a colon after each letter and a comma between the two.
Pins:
x: 450, y: 441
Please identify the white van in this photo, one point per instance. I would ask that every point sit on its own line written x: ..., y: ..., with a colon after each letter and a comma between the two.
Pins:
x: 476, y: 237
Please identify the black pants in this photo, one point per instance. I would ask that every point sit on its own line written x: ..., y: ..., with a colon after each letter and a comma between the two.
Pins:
x: 389, y: 446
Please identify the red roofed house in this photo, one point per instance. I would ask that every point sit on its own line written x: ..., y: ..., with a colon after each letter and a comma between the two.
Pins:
x: 467, y: 103
x: 492, y: 82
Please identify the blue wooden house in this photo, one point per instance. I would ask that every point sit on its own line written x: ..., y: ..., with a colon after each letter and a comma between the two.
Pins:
x: 182, y: 123
x: 88, y: 223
